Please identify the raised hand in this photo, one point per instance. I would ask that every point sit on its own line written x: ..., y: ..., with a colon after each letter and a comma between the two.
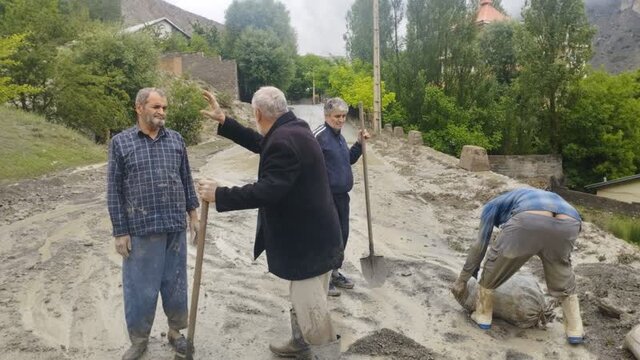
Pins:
x: 214, y: 111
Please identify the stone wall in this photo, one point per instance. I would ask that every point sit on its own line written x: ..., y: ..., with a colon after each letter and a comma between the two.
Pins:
x: 537, y: 168
x: 221, y: 74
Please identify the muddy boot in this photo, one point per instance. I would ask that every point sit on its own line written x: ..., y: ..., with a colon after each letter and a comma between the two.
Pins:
x: 330, y: 351
x: 295, y: 347
x: 572, y: 319
x: 138, y: 347
x: 179, y: 344
x: 484, y: 308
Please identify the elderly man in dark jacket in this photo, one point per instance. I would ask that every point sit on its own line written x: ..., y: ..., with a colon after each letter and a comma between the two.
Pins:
x: 297, y: 222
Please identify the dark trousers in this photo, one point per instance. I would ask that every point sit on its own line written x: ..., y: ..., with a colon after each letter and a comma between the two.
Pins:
x: 157, y: 264
x: 341, y: 202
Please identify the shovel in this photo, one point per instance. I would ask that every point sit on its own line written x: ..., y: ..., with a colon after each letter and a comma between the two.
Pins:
x: 195, y: 293
x: 374, y: 268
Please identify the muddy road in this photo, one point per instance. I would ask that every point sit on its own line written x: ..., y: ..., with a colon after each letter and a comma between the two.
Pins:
x: 61, y: 292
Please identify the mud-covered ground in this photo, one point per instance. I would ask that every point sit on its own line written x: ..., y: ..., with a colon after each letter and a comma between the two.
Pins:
x: 60, y: 281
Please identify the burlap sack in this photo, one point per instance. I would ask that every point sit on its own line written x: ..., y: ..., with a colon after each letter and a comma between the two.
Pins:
x: 519, y: 302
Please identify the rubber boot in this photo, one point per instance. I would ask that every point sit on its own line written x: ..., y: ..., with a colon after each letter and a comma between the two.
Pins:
x: 572, y: 319
x: 294, y: 347
x: 137, y: 349
x: 330, y: 351
x: 484, y: 308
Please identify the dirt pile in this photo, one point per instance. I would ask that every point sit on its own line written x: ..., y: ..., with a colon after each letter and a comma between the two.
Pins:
x: 387, y: 342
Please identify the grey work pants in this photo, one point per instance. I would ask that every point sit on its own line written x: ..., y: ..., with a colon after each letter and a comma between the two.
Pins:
x: 309, y: 299
x: 526, y: 235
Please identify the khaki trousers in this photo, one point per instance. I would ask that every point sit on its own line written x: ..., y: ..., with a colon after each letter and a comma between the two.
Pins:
x: 309, y: 299
x: 526, y: 235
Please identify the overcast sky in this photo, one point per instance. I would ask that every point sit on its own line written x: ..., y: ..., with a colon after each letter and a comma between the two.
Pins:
x: 320, y: 25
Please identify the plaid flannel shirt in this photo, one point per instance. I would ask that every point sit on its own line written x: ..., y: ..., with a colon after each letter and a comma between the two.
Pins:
x: 149, y: 183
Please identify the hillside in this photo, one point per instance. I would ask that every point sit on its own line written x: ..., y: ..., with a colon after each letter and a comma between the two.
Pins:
x: 31, y: 146
x: 139, y: 11
x: 618, y: 34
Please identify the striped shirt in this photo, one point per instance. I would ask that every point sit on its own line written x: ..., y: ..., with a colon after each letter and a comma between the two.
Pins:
x: 499, y: 210
x: 149, y: 184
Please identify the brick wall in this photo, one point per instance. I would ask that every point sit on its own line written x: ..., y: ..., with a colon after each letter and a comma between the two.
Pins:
x: 221, y: 74
x: 527, y: 167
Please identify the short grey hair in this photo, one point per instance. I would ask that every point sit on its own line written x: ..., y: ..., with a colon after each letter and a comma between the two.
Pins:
x: 143, y: 94
x: 335, y: 104
x: 270, y: 101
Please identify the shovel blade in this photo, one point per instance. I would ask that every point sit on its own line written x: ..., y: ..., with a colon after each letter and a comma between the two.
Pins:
x: 374, y: 270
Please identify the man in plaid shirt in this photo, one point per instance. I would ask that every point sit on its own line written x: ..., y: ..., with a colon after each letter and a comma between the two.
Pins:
x: 150, y: 192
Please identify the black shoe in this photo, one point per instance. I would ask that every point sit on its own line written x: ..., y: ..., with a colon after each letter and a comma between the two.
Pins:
x: 180, y: 345
x: 341, y: 281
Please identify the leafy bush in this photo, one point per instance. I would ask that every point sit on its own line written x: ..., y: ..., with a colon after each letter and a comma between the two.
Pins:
x: 97, y: 77
x: 185, y: 102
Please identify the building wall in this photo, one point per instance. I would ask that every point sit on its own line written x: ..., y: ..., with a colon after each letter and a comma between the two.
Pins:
x: 221, y: 74
x: 528, y: 167
x: 596, y: 202
x: 627, y: 192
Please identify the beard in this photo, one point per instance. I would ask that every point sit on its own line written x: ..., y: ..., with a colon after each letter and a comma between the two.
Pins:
x: 155, y: 122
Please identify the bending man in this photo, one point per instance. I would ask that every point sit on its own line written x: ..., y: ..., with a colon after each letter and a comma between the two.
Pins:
x: 534, y: 222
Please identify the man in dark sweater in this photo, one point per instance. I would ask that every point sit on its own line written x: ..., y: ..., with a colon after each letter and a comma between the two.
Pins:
x: 339, y: 158
x: 297, y: 222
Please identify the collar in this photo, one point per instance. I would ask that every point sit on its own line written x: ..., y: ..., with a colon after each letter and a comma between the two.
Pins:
x: 335, y: 131
x: 287, y: 117
x: 141, y: 134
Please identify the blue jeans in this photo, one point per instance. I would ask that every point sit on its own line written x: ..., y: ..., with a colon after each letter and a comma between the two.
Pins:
x: 156, y: 263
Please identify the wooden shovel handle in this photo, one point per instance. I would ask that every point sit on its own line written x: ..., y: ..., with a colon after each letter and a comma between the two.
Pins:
x: 195, y: 292
x: 366, y: 181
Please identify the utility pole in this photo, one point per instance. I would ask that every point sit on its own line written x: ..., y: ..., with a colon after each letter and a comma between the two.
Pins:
x: 377, y: 103
x: 313, y: 82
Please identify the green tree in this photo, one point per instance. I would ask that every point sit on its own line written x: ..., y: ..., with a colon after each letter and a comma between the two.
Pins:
x: 310, y: 69
x: 97, y: 78
x: 48, y: 24
x: 258, y: 34
x: 262, y: 60
x: 269, y: 15
x: 353, y: 82
x: 211, y: 35
x: 8, y: 90
x: 448, y: 127
x: 359, y: 34
x: 553, y: 50
x: 601, y: 128
x: 498, y: 49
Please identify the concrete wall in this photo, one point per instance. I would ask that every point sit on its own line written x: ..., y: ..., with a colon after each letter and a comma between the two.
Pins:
x: 527, y: 167
x: 221, y: 74
x: 627, y: 192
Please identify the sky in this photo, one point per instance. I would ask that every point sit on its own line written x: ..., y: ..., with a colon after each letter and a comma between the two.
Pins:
x: 320, y: 25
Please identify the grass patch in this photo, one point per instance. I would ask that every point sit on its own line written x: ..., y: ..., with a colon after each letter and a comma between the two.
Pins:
x: 30, y: 146
x: 622, y: 226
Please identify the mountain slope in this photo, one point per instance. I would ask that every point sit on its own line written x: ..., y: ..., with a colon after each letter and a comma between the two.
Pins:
x: 618, y: 34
